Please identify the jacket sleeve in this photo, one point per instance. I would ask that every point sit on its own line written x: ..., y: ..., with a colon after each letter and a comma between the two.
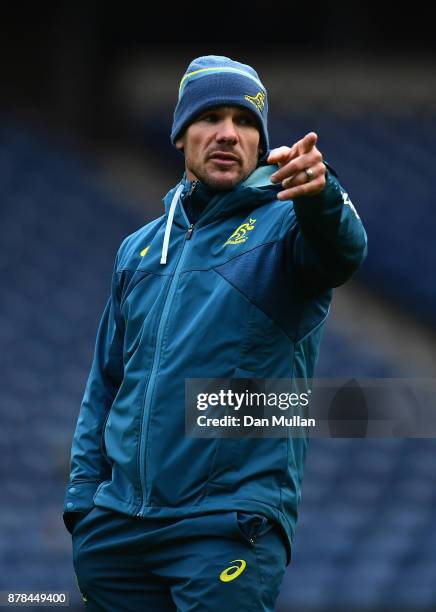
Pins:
x: 89, y: 465
x: 330, y: 242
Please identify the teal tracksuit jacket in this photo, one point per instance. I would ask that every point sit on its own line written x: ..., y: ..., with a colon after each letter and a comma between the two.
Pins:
x: 245, y: 292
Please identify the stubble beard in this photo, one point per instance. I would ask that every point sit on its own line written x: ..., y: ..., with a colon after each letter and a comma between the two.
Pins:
x: 217, y: 183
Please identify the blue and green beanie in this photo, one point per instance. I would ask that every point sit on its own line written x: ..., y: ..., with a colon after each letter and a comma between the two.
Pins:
x: 215, y: 80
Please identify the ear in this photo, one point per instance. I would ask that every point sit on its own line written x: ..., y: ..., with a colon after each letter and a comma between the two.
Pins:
x: 180, y: 143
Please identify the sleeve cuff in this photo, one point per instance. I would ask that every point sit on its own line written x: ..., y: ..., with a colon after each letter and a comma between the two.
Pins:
x: 330, y: 193
x: 79, y: 496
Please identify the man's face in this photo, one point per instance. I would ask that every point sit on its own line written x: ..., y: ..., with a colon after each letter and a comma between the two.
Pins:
x: 221, y: 146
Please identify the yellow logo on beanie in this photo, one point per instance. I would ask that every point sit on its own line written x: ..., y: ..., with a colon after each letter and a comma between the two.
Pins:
x: 258, y: 100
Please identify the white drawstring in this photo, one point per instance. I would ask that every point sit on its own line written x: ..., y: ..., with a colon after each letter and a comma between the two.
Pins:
x: 163, y: 259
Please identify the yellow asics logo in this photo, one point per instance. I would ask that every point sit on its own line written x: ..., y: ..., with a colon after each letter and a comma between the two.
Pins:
x: 143, y: 252
x: 235, y: 569
x: 240, y: 234
x: 258, y: 100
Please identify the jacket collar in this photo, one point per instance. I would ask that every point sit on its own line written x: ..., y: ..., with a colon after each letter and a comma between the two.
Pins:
x: 254, y: 191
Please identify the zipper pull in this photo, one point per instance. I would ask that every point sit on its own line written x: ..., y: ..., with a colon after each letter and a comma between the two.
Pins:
x: 189, y: 232
x: 193, y: 186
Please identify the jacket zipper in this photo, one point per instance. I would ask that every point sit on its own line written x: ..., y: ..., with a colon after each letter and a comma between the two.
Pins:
x: 192, y: 188
x: 189, y: 232
x: 156, y: 357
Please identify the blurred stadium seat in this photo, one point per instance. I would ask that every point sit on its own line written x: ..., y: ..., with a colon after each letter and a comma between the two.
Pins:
x: 366, y: 531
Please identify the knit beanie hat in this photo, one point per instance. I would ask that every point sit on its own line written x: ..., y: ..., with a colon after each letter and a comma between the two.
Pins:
x: 215, y: 80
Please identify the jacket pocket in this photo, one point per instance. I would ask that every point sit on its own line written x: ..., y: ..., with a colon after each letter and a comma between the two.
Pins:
x: 228, y: 451
x: 231, y: 452
x: 251, y: 525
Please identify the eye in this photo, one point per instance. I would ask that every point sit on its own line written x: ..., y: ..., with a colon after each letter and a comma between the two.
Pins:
x: 246, y: 120
x: 209, y: 117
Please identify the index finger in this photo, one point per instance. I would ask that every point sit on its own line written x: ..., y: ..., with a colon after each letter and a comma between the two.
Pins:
x: 306, y: 144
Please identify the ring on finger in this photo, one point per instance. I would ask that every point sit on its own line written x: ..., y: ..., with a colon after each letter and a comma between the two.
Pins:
x: 309, y: 174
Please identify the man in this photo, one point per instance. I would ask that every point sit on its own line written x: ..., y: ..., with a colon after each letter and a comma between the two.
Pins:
x: 233, y: 281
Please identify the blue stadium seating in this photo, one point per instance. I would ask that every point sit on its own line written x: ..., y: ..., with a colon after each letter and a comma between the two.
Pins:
x: 386, y: 163
x: 366, y: 531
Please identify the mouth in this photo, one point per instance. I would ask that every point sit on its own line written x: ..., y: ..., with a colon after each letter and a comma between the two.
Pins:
x: 224, y: 159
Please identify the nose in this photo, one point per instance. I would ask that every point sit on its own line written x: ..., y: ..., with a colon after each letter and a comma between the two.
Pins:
x: 226, y: 131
